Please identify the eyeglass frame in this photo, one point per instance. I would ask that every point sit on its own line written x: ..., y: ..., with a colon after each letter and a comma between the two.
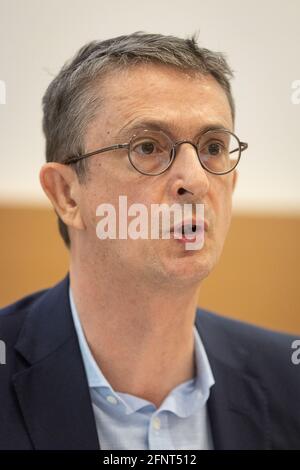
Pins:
x: 242, y: 146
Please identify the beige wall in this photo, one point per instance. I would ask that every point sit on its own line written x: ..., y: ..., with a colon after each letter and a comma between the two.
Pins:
x: 260, y: 39
x: 257, y: 279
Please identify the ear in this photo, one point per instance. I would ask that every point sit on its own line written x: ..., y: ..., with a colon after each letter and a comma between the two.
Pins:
x: 234, y: 179
x: 61, y: 185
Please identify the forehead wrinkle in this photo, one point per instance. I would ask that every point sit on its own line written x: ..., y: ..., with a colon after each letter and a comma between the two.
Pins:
x: 170, y: 127
x: 121, y: 101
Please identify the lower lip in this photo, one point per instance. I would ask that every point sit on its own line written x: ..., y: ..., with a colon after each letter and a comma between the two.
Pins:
x: 186, y: 240
x: 183, y: 239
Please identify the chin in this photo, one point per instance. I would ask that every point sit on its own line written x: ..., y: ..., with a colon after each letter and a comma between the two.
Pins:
x: 188, y: 270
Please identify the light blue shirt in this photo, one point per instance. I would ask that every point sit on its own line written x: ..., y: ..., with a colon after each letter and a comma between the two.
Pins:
x: 128, y: 422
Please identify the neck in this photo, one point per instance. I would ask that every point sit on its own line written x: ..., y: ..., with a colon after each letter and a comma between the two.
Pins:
x: 135, y: 333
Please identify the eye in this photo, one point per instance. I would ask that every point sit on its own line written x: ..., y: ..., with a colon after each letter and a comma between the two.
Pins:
x: 147, y: 147
x: 213, y: 149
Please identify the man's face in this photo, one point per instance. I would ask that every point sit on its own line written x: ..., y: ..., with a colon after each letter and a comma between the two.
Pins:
x: 186, y: 105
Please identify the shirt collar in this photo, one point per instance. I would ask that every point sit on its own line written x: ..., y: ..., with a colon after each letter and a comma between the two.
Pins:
x: 197, y: 388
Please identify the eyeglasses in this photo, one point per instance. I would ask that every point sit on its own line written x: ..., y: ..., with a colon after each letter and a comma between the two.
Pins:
x: 152, y: 152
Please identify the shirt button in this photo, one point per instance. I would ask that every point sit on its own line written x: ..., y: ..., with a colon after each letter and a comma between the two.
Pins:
x: 156, y: 423
x: 111, y: 399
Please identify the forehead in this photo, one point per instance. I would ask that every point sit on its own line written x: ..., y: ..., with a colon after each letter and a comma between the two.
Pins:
x: 179, y: 98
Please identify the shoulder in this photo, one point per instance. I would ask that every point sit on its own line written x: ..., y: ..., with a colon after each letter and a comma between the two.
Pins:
x: 40, y: 306
x: 12, y: 316
x: 238, y: 329
x: 250, y: 335
x: 267, y: 354
x: 263, y: 358
x: 266, y: 344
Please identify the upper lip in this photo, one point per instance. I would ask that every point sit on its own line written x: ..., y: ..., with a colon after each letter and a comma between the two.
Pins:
x: 189, y: 222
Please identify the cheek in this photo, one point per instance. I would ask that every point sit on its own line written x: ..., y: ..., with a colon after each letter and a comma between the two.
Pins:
x: 94, y: 194
x: 108, y: 191
x: 88, y: 210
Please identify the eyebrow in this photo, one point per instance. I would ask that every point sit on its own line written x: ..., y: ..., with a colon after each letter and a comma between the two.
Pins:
x: 159, y: 125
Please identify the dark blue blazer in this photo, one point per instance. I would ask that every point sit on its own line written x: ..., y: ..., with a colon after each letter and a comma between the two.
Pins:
x: 44, y: 395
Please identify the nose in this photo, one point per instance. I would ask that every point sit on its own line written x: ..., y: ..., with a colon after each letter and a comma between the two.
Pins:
x: 188, y: 175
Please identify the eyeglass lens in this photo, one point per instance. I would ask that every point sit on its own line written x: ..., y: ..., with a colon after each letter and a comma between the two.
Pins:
x: 151, y: 151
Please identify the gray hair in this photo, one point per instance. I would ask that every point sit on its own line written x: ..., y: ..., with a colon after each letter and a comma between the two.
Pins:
x: 72, y: 100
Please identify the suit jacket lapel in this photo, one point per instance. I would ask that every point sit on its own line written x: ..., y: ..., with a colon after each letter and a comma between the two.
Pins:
x: 238, y: 411
x: 237, y: 405
x: 51, y: 388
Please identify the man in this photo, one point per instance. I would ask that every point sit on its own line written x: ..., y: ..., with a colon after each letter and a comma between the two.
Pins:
x: 117, y: 355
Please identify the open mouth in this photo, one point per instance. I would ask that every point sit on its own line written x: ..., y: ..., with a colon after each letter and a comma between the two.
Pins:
x: 190, y: 229
x: 187, y: 231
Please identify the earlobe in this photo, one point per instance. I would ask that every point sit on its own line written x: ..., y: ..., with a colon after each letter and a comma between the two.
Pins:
x: 59, y: 182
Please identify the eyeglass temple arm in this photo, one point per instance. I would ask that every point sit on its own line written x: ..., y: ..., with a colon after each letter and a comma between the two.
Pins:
x: 74, y: 159
x: 244, y: 146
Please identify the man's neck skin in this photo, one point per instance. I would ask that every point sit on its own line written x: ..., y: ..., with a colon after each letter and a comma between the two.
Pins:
x: 143, y: 343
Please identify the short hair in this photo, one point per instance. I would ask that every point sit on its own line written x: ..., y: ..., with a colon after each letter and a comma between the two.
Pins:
x: 72, y: 100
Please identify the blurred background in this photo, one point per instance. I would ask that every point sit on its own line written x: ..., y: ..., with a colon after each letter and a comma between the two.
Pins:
x: 257, y: 279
